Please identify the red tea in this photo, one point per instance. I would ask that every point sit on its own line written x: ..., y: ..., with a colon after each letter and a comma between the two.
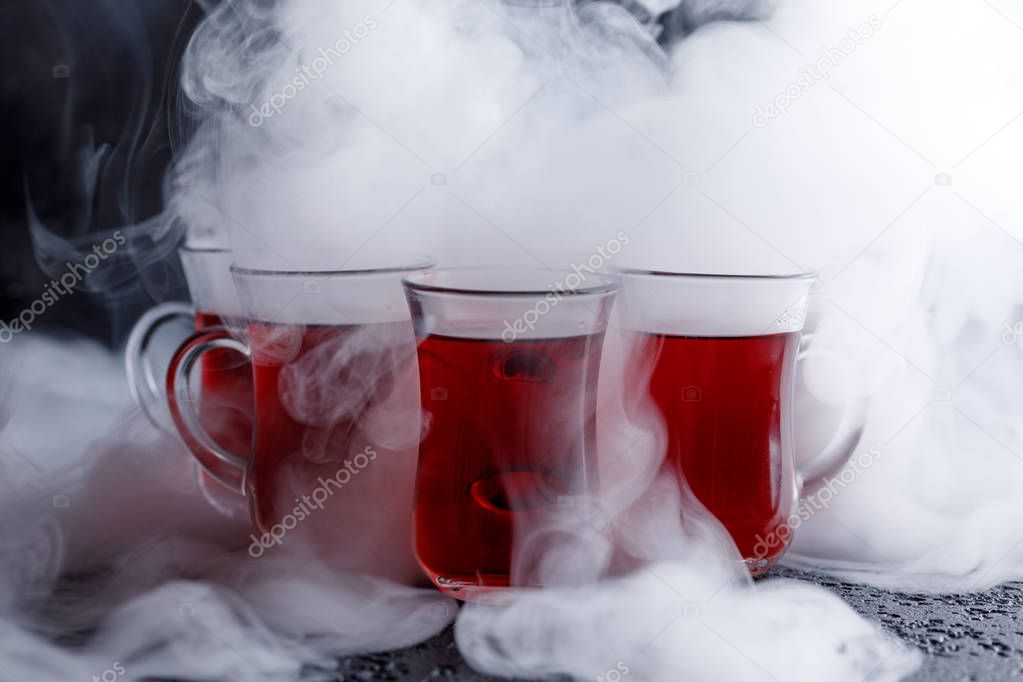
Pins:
x: 312, y: 385
x: 510, y: 432
x: 225, y: 397
x: 728, y: 436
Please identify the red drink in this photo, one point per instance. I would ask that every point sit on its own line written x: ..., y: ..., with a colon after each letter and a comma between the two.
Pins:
x: 510, y: 428
x: 326, y: 400
x: 204, y: 321
x: 225, y: 397
x: 722, y: 401
x: 313, y: 384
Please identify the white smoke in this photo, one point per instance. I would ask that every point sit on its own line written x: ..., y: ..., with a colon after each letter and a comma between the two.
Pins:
x: 107, y: 538
x: 857, y: 139
x: 676, y: 621
x: 874, y: 142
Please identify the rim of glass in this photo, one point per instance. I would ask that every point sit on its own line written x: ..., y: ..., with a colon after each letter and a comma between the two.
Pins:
x: 604, y: 284
x: 790, y: 277
x: 191, y: 248
x: 423, y: 263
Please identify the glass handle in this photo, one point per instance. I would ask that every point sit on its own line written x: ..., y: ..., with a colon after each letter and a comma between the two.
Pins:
x: 145, y: 388
x: 182, y: 400
x: 830, y: 460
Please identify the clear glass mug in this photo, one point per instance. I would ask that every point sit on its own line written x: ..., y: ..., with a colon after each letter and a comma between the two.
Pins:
x: 332, y: 358
x: 226, y: 388
x: 500, y: 353
x: 721, y: 353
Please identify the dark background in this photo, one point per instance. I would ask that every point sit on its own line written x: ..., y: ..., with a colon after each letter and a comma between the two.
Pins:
x: 89, y: 100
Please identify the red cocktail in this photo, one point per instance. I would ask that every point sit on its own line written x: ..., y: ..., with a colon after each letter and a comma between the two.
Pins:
x: 508, y: 377
x: 722, y: 402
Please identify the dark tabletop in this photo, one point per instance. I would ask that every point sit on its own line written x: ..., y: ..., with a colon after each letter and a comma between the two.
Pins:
x: 965, y: 637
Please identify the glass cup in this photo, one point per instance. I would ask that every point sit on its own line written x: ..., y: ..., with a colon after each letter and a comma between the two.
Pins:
x: 722, y: 353
x: 508, y: 365
x: 225, y: 392
x: 332, y: 358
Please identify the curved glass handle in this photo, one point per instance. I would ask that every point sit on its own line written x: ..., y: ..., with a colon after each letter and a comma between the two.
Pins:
x: 145, y: 388
x: 225, y: 466
x: 830, y: 460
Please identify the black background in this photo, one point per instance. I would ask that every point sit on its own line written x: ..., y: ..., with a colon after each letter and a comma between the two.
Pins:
x: 81, y: 75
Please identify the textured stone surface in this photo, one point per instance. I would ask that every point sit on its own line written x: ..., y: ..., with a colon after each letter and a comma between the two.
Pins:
x: 966, y: 638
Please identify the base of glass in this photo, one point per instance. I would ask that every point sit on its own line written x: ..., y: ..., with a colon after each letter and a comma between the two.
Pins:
x: 496, y: 588
x: 760, y: 565
x: 757, y: 567
x: 482, y: 588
